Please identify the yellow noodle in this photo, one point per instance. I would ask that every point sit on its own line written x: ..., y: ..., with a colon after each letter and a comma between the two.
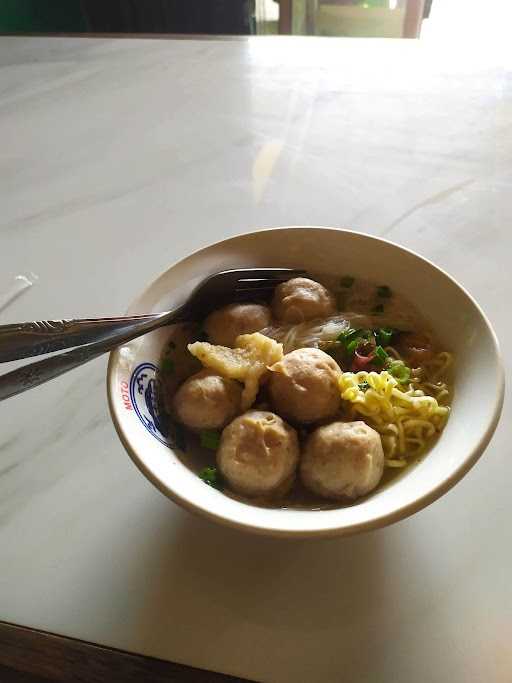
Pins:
x: 439, y: 365
x: 407, y: 417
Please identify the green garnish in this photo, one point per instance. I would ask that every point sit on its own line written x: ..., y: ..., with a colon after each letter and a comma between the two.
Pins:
x: 350, y: 339
x: 210, y: 476
x: 383, y: 336
x: 349, y: 335
x: 347, y: 281
x: 399, y: 371
x: 167, y: 365
x: 352, y: 346
x: 363, y: 386
x: 210, y: 439
x: 384, y: 292
x: 346, y: 334
x: 379, y: 308
x: 380, y: 355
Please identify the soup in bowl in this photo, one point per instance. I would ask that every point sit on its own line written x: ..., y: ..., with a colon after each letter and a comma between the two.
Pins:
x: 342, y: 403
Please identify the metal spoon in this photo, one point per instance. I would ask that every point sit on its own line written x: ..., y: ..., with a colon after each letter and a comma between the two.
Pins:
x: 97, y: 336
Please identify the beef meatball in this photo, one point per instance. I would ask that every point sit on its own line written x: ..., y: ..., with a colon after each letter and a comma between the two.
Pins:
x: 301, y: 299
x: 207, y: 401
x: 224, y: 325
x: 258, y: 454
x: 303, y: 386
x: 342, y: 460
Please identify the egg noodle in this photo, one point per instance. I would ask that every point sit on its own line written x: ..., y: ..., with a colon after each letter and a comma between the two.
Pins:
x: 406, y: 416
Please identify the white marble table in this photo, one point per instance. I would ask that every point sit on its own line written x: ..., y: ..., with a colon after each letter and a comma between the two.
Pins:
x: 119, y: 157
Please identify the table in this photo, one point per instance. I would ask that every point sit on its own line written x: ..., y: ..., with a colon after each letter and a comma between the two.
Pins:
x: 119, y: 157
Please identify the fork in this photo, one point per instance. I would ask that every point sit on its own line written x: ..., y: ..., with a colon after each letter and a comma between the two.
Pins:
x: 94, y: 337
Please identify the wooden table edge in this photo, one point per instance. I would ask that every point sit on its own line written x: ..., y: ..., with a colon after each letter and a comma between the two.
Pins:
x: 29, y: 655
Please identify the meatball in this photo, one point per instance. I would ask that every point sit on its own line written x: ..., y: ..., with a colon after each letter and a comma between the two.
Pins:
x: 342, y: 460
x: 303, y: 386
x: 226, y: 324
x: 207, y: 401
x: 258, y: 454
x: 301, y: 299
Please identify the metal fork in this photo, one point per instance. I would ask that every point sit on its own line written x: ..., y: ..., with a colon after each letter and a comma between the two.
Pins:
x: 97, y: 336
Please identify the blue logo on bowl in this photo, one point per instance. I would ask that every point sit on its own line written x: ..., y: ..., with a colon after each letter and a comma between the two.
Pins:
x: 144, y: 398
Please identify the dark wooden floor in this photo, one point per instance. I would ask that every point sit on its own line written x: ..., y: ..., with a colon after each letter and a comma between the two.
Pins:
x: 30, y: 656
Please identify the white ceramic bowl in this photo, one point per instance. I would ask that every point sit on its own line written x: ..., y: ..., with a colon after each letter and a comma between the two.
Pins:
x: 460, y: 324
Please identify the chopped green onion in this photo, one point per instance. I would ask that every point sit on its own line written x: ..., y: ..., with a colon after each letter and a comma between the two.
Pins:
x: 380, y: 355
x: 383, y: 336
x: 364, y: 386
x: 351, y: 338
x: 347, y: 281
x: 400, y: 371
x: 210, y: 439
x: 167, y: 365
x: 352, y: 346
x: 384, y: 292
x: 210, y: 476
x: 379, y: 308
x: 343, y: 336
x: 349, y: 335
x: 354, y: 335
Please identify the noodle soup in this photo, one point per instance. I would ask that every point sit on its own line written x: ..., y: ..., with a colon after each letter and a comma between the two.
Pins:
x: 311, y: 402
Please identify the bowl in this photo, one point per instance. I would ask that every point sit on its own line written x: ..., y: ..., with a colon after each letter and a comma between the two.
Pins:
x: 459, y: 322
